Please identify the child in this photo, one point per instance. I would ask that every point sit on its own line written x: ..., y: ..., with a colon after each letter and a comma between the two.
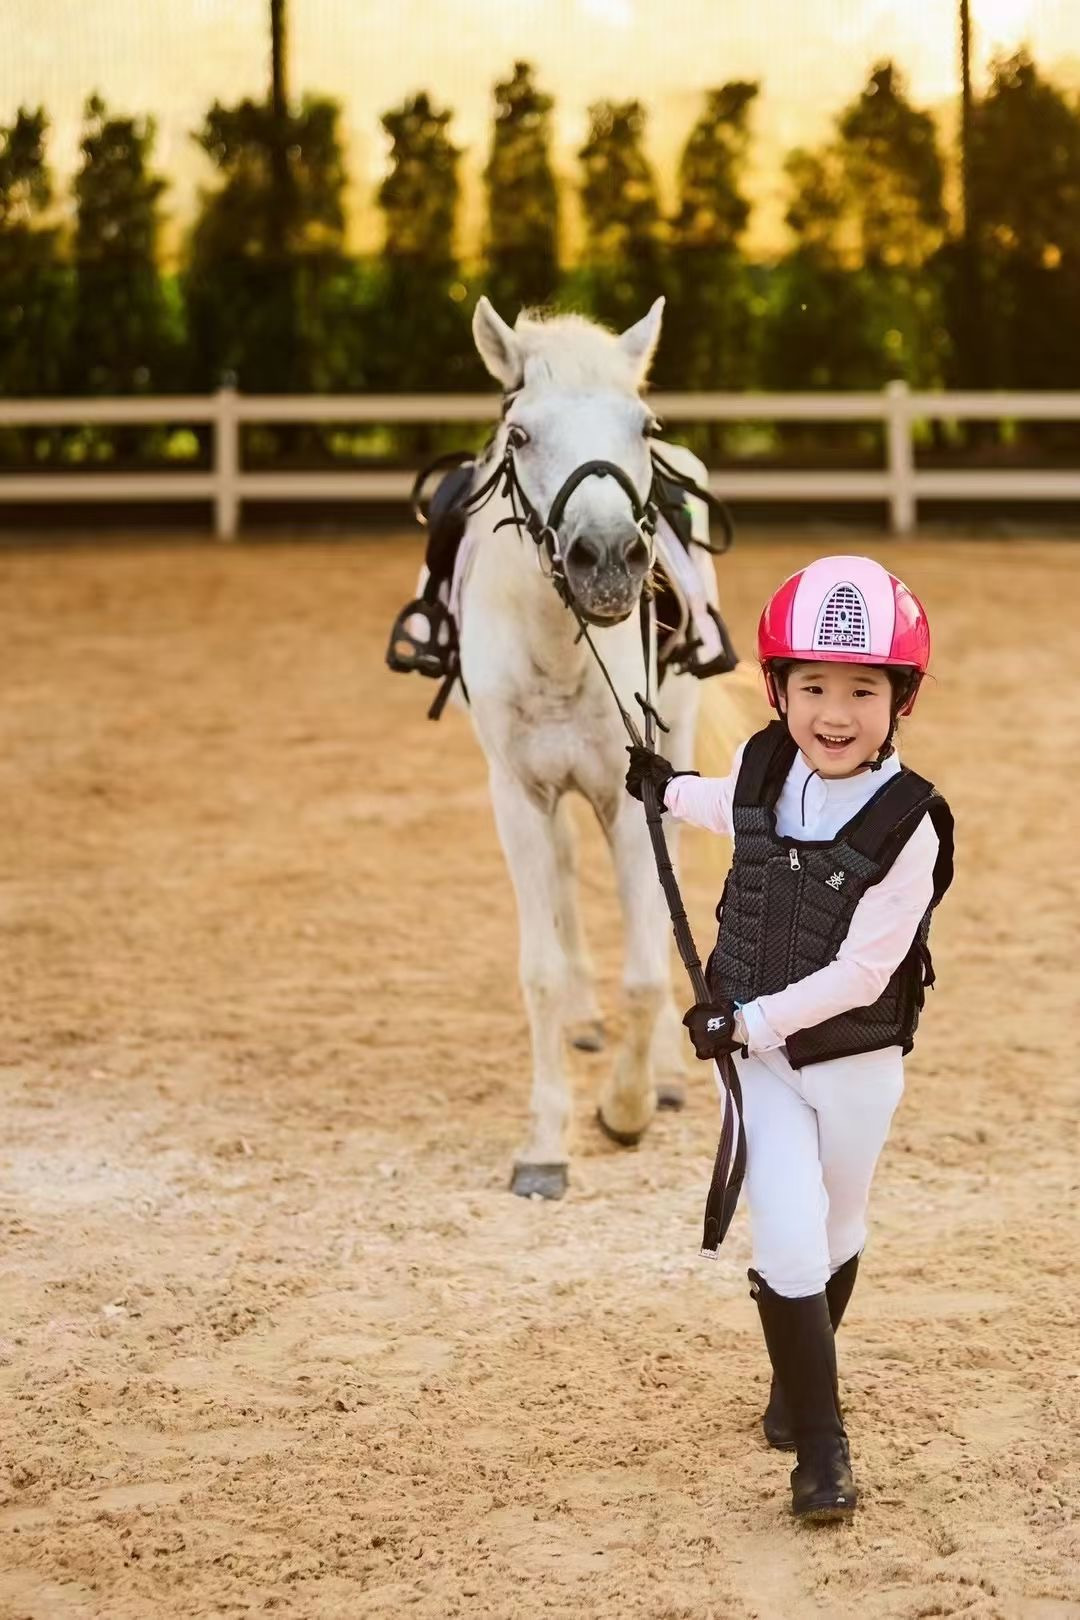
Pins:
x: 818, y: 975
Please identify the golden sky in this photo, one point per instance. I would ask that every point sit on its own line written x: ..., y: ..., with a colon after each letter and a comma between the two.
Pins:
x: 174, y: 57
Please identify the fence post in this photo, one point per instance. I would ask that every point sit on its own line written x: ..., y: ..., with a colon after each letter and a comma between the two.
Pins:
x: 226, y: 464
x: 901, y: 458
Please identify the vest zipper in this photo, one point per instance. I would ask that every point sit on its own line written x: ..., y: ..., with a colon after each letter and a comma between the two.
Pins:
x: 796, y: 907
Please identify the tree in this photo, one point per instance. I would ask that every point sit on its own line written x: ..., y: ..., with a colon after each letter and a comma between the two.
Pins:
x: 817, y: 332
x: 259, y: 278
x: 523, y: 204
x: 894, y: 183
x: 893, y: 172
x: 622, y: 213
x: 859, y: 297
x: 419, y: 195
x: 124, y: 336
x: 708, y: 323
x: 422, y: 337
x: 816, y: 202
x: 34, y: 289
x: 267, y: 275
x: 1024, y: 171
x: 713, y: 212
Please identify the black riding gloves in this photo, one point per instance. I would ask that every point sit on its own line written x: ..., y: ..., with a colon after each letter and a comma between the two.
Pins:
x: 712, y: 1028
x: 647, y: 766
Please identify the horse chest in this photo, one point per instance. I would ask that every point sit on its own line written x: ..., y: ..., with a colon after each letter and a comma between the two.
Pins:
x: 557, y: 710
x: 561, y: 738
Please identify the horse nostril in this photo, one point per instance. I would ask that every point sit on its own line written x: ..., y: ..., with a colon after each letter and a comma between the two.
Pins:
x: 636, y: 555
x: 584, y: 552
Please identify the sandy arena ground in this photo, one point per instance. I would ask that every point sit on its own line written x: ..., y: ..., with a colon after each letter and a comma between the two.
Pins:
x: 273, y: 1334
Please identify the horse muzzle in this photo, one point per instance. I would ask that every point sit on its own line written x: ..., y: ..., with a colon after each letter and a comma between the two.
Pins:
x: 605, y: 573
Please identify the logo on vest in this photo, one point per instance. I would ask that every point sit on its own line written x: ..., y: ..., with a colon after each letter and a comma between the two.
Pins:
x: 836, y: 881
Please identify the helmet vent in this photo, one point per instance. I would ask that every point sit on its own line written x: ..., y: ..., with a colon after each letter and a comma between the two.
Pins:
x: 843, y: 624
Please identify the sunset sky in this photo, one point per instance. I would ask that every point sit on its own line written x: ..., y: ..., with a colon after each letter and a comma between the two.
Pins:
x: 173, y: 57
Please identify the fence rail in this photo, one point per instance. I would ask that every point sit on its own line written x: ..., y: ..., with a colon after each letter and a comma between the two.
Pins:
x: 899, y: 483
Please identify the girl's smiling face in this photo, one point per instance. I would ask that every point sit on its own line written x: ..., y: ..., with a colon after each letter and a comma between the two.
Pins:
x: 838, y: 714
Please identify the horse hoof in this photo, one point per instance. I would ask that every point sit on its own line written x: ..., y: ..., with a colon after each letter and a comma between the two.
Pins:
x: 539, y: 1180
x: 588, y: 1035
x: 670, y: 1094
x: 624, y: 1138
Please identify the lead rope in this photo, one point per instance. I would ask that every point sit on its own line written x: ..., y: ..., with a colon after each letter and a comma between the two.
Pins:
x: 730, y: 1163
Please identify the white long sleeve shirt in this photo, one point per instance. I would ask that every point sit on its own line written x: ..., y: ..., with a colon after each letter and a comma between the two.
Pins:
x: 883, y: 923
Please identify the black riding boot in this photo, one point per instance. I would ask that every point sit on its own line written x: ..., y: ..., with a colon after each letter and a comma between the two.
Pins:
x: 799, y: 1338
x: 777, y: 1420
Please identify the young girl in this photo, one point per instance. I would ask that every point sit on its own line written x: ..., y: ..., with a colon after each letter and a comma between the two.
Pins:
x: 818, y: 975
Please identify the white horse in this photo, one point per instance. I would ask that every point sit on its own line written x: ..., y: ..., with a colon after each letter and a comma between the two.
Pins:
x: 548, y: 724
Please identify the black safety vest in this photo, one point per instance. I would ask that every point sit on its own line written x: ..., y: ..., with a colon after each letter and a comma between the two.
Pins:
x: 788, y: 902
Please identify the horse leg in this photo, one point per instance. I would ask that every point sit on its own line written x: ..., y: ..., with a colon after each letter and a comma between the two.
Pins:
x: 527, y: 835
x: 583, y: 1024
x: 629, y: 1100
x: 669, y: 1055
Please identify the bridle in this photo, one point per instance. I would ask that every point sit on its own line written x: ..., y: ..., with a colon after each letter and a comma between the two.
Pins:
x: 505, y: 480
x: 544, y: 532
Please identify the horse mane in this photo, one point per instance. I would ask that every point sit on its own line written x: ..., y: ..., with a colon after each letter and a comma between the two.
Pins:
x: 572, y: 351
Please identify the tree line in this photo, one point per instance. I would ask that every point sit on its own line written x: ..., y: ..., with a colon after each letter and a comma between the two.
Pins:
x: 871, y: 285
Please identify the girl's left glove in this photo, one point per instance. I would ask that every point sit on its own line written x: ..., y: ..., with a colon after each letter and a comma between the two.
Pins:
x: 712, y: 1028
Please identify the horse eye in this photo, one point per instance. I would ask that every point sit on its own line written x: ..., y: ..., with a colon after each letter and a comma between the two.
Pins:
x: 516, y: 436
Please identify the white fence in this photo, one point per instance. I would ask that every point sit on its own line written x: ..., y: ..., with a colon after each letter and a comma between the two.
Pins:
x: 899, y: 484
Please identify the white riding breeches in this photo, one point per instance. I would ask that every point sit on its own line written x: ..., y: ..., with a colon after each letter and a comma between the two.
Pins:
x: 813, y: 1137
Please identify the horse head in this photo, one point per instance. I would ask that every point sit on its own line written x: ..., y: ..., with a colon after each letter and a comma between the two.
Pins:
x: 576, y: 433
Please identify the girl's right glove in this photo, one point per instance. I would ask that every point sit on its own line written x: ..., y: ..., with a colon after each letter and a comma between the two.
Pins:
x: 647, y: 766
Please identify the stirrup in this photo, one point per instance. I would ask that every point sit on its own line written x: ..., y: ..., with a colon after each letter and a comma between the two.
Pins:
x: 423, y: 639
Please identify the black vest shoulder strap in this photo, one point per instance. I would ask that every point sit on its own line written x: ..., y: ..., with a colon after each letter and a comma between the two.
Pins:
x: 766, y: 760
x: 942, y: 818
x: 892, y: 817
x: 887, y: 810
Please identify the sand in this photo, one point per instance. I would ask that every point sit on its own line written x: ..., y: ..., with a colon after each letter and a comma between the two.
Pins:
x: 274, y: 1337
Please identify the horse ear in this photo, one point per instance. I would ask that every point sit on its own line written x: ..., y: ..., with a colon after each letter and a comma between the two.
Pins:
x: 498, y: 346
x: 638, y: 342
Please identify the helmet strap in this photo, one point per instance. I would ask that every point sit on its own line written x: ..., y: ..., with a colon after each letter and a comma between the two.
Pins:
x: 887, y: 746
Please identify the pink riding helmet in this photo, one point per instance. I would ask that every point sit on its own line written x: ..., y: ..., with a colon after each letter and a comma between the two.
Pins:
x: 846, y: 610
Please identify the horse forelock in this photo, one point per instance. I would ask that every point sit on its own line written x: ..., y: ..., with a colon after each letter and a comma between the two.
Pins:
x: 572, y: 352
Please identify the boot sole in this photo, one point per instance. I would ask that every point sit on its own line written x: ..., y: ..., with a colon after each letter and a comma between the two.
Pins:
x: 832, y: 1513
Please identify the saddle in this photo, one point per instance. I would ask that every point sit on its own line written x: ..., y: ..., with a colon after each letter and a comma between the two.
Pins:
x: 691, y: 634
